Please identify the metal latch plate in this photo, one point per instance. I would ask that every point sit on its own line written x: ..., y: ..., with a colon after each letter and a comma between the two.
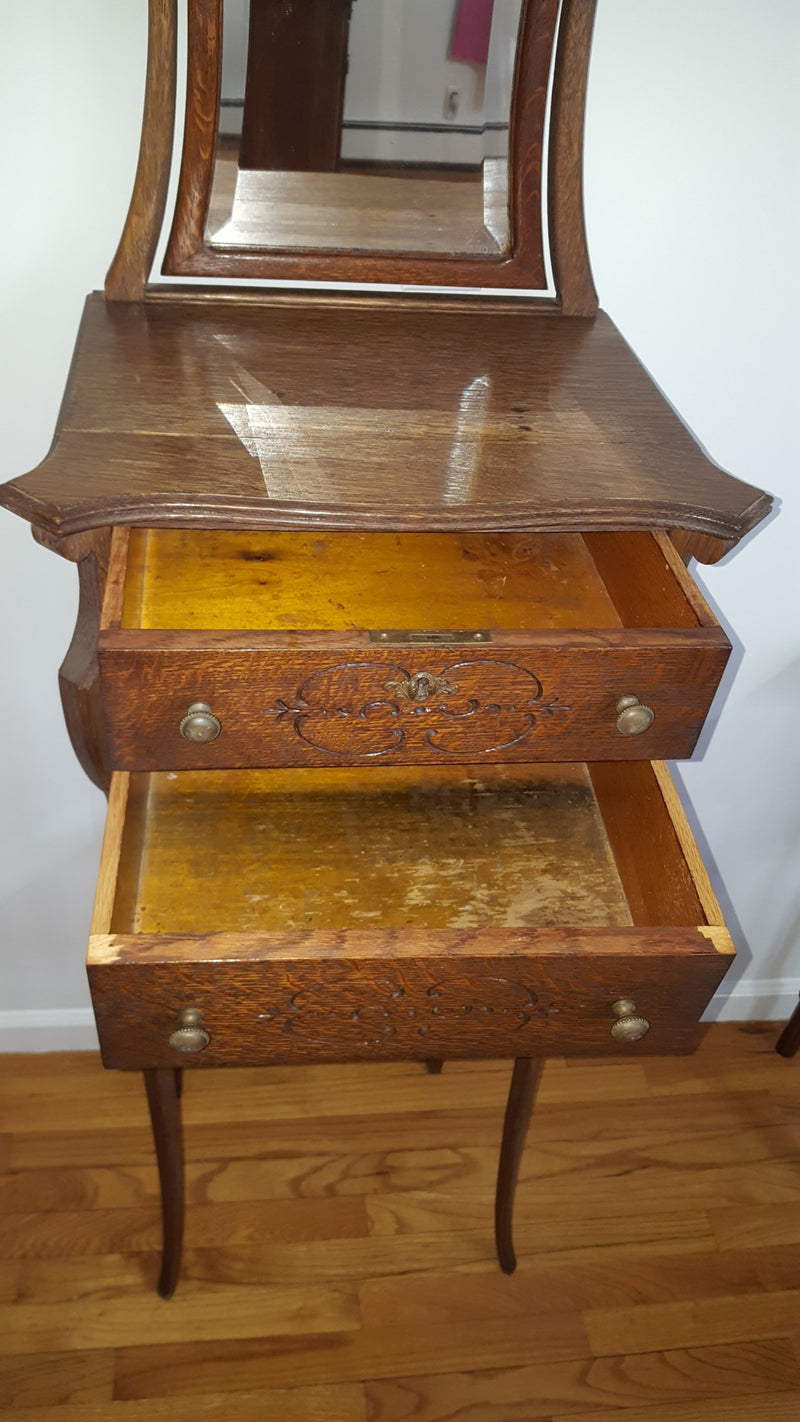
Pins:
x: 421, y: 638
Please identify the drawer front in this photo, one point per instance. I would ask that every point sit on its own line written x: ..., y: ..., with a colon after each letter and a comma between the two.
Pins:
x: 462, y: 994
x: 553, y: 700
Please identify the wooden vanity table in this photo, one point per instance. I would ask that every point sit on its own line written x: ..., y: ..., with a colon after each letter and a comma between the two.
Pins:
x: 385, y: 633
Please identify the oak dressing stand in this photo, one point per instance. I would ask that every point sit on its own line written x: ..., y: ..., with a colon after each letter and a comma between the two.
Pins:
x: 385, y: 625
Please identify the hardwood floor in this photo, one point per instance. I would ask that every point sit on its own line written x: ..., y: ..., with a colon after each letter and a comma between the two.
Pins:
x: 340, y: 1265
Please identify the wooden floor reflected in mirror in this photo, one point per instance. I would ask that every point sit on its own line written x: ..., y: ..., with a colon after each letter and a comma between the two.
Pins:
x: 382, y: 208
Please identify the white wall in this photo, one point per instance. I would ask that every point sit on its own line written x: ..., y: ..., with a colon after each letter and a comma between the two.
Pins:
x: 694, y: 224
x: 694, y: 230
x: 70, y: 95
x: 400, y: 72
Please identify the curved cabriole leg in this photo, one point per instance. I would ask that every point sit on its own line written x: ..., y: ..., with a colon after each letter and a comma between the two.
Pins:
x: 79, y: 677
x: 165, y: 1115
x: 789, y: 1040
x: 433, y: 1065
x: 524, y: 1081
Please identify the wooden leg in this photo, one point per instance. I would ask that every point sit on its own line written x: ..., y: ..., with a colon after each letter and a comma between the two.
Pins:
x: 179, y: 1082
x: 524, y: 1081
x: 165, y: 1115
x: 789, y: 1040
x: 433, y: 1065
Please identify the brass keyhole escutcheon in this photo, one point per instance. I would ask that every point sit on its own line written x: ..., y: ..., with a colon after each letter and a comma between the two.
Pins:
x: 629, y: 1027
x: 422, y: 686
x: 200, y: 725
x: 632, y: 717
x: 190, y: 1035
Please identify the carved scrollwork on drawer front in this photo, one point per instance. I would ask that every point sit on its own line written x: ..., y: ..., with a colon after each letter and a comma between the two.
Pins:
x: 362, y: 709
x: 407, y: 1010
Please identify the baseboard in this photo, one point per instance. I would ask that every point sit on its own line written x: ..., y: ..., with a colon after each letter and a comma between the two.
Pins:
x: 59, y: 1029
x: 755, y: 1000
x: 73, y: 1029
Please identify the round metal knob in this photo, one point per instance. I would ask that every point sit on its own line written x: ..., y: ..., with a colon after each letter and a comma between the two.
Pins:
x: 628, y: 1026
x: 200, y: 724
x: 190, y: 1036
x: 632, y: 717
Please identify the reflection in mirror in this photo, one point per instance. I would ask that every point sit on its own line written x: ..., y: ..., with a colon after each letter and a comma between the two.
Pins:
x: 365, y: 125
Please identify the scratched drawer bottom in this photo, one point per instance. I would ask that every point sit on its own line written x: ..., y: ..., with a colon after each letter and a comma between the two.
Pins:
x: 345, y: 915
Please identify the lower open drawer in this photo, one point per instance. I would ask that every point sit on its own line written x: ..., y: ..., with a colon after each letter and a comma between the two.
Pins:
x: 335, y: 915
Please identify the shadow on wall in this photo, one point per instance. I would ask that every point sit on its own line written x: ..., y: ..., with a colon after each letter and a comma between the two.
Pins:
x: 44, y: 928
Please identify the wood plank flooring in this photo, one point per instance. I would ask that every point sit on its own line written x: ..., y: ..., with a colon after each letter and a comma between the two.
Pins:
x: 339, y: 1262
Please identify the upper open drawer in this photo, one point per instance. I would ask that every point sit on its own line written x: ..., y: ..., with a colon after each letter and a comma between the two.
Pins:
x: 340, y: 648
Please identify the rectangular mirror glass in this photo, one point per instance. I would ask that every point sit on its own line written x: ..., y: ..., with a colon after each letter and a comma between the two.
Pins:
x: 365, y: 126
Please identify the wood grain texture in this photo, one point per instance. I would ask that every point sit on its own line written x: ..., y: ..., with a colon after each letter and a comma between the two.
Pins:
x: 761, y: 1407
x: 656, y: 857
x: 549, y: 698
x: 335, y: 695
x: 701, y: 882
x: 714, y: 1322
x: 512, y: 421
x: 700, y: 546
x: 200, y: 126
x: 188, y: 254
x: 569, y: 254
x: 130, y: 269
x: 342, y: 1011
x: 278, y: 949
x: 298, y: 1404
x: 124, y: 573
x: 66, y: 1380
x: 503, y: 850
x: 618, y: 1191
x: 372, y: 211
x: 524, y: 1081
x: 78, y: 677
x: 163, y: 1099
x: 647, y: 581
x: 118, y: 816
x: 568, y: 1391
x: 164, y: 1091
x: 394, y: 850
x: 191, y: 579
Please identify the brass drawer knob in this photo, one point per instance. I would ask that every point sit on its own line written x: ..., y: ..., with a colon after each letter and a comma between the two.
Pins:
x: 190, y: 1035
x: 632, y: 717
x: 628, y: 1026
x: 200, y: 724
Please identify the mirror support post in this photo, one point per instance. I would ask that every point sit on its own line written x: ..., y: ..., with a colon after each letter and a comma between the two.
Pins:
x: 130, y: 269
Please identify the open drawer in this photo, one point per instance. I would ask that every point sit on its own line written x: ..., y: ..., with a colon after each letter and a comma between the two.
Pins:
x: 328, y: 648
x: 388, y: 913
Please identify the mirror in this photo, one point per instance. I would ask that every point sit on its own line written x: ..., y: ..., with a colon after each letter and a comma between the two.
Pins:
x: 366, y: 125
x: 366, y: 140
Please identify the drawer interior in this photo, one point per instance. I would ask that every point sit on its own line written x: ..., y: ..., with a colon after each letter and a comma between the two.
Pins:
x: 218, y: 580
x: 270, y: 851
x: 396, y: 914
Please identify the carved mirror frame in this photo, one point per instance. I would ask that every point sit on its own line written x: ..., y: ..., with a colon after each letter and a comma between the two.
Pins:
x: 552, y: 35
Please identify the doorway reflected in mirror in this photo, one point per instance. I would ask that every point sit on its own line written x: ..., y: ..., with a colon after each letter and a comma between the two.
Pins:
x: 365, y: 125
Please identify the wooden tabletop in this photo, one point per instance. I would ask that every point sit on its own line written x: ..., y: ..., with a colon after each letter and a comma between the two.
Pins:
x: 331, y: 411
